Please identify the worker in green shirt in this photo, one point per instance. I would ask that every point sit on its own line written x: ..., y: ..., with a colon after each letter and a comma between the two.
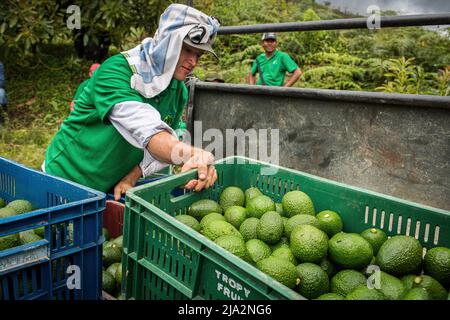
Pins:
x: 273, y: 64
x: 123, y: 124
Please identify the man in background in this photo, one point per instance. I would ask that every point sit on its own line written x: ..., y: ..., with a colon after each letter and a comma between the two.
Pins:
x: 273, y: 64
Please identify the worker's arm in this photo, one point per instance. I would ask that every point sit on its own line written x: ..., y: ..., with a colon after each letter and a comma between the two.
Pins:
x: 141, y: 125
x: 295, y: 76
x: 251, y: 78
x: 167, y: 148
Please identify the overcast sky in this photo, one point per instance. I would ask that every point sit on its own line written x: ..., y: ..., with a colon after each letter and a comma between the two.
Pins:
x: 401, y: 6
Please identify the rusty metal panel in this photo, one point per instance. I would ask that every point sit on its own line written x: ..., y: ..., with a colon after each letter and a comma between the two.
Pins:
x: 393, y: 144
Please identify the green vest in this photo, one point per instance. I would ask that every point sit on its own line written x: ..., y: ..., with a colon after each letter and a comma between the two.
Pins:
x: 274, y: 69
x: 88, y: 149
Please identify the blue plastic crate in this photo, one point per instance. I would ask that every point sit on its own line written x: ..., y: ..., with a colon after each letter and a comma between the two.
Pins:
x: 72, y: 217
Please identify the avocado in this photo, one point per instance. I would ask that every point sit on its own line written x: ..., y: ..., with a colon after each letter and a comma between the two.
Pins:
x: 259, y: 205
x: 328, y: 267
x: 308, y: 244
x: 330, y: 222
x: 257, y: 249
x: 417, y: 294
x: 251, y: 193
x: 330, y: 296
x: 28, y: 237
x: 235, y: 215
x: 231, y: 196
x: 345, y: 281
x: 297, y: 202
x: 285, y: 253
x: 281, y: 270
x: 211, y: 217
x: 400, y: 255
x: 350, y: 251
x: 283, y: 243
x: 270, y: 227
x: 111, y: 255
x: 9, y: 241
x: 118, y: 241
x: 434, y: 288
x: 300, y: 219
x: 313, y: 281
x: 362, y: 292
x: 190, y: 221
x: 437, y: 264
x: 20, y: 206
x: 108, y: 282
x: 279, y: 209
x: 201, y: 208
x: 248, y: 228
x: 376, y: 238
x: 113, y: 268
x: 234, y: 244
x: 7, y: 212
x: 215, y: 229
x: 392, y: 287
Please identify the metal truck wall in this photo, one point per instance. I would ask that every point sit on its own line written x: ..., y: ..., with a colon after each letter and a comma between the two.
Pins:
x: 393, y: 144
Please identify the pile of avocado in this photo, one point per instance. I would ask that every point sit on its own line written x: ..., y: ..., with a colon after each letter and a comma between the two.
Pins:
x: 311, y: 253
x: 14, y: 208
x: 112, y: 265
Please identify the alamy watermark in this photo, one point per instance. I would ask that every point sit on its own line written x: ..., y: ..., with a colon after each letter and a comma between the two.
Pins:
x: 374, y: 20
x: 257, y: 144
x: 74, y: 20
x: 374, y: 280
x: 74, y: 280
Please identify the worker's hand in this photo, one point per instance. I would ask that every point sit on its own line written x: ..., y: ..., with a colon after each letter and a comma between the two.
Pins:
x: 121, y: 188
x: 127, y: 182
x: 207, y: 175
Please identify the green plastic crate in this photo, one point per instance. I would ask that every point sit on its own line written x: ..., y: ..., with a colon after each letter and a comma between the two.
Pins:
x: 165, y: 259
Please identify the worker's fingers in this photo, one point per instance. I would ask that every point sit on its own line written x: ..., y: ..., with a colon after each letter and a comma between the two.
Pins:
x: 200, y: 185
x: 118, y: 191
x: 202, y: 171
x: 210, y: 179
x: 191, y: 184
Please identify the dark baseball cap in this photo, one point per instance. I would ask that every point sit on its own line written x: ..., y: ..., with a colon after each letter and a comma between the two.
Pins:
x: 269, y: 35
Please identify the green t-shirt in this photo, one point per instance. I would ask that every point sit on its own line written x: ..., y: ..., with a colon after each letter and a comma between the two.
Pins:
x: 274, y: 69
x: 80, y: 89
x: 88, y: 149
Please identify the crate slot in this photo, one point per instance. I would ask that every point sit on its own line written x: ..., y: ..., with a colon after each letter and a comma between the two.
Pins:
x: 374, y: 217
x: 417, y: 233
x: 399, y: 224
x: 408, y: 226
x: 436, y: 235
x: 391, y: 222
x: 383, y: 214
x: 366, y: 215
x: 427, y: 233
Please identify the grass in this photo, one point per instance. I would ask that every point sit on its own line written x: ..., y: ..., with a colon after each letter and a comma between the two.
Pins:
x: 39, y: 95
